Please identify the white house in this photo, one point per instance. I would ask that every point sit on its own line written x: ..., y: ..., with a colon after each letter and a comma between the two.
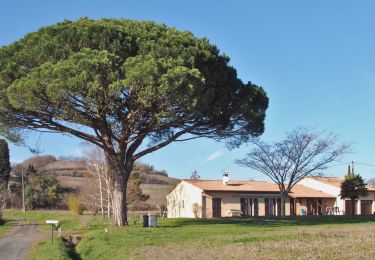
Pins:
x: 332, y: 185
x: 223, y: 198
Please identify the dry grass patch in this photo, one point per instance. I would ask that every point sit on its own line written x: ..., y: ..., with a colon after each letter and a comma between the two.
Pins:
x: 336, y: 242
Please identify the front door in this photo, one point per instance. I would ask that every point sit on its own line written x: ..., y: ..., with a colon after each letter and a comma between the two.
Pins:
x: 270, y: 206
x: 348, y: 207
x: 312, y: 208
x: 278, y: 207
x: 366, y: 207
x: 216, y: 207
x: 320, y: 206
x: 247, y: 207
x: 256, y: 207
x: 292, y: 208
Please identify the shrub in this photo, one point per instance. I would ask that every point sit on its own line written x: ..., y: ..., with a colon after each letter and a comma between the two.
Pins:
x: 196, y: 210
x: 75, y: 205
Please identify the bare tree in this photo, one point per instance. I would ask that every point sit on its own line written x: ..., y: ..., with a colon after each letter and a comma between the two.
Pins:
x: 195, y: 175
x: 161, y: 204
x: 196, y: 210
x: 302, y: 153
x: 97, y: 166
x: 90, y: 196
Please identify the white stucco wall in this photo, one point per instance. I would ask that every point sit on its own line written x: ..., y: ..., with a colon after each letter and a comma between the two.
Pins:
x: 180, y: 201
x: 335, y: 191
x: 326, y: 188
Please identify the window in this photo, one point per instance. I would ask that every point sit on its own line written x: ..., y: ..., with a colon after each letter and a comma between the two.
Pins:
x: 270, y: 206
x: 246, y: 206
x: 256, y: 207
x: 249, y: 206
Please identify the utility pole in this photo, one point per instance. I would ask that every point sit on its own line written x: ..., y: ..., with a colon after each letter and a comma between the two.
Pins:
x: 23, y: 194
x: 353, y: 168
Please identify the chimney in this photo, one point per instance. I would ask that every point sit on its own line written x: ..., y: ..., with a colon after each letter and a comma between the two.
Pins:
x: 225, y: 178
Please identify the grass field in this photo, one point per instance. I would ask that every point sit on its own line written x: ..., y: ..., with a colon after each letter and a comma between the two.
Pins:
x: 5, y: 225
x: 318, y: 237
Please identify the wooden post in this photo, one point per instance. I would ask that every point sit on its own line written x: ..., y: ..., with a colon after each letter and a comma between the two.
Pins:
x: 23, y: 194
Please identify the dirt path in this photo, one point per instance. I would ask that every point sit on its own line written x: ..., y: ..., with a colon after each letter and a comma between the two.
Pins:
x: 16, y: 244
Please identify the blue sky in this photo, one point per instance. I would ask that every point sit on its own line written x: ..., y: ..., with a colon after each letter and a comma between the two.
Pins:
x: 315, y: 60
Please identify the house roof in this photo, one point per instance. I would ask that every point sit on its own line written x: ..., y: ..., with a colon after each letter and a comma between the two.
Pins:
x: 301, y: 191
x: 244, y: 186
x: 298, y: 191
x: 334, y: 181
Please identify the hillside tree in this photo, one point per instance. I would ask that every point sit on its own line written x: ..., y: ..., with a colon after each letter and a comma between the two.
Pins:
x: 302, y: 153
x: 129, y: 87
x: 4, y: 163
x: 4, y: 196
x: 195, y: 175
x: 371, y: 182
x: 41, y: 190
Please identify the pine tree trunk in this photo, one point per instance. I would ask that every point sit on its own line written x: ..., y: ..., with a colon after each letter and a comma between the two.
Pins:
x: 120, y: 217
x: 119, y: 172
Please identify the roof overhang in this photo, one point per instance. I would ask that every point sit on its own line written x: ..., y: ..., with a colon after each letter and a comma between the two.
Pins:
x: 296, y: 196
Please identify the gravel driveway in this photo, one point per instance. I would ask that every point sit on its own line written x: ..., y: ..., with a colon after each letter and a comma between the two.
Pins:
x: 16, y: 243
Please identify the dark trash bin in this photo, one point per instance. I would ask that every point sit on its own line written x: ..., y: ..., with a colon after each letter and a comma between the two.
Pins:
x: 145, y: 220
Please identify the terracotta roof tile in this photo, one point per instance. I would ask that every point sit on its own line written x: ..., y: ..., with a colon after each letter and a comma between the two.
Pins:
x: 217, y: 185
x: 299, y: 191
x: 335, y: 181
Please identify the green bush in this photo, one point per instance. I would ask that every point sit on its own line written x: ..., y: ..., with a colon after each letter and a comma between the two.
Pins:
x: 75, y: 205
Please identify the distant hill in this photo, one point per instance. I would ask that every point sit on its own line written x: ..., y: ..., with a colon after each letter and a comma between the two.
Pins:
x: 371, y: 182
x: 72, y: 173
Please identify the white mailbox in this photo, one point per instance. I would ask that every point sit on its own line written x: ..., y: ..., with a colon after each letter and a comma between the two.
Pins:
x: 52, y: 222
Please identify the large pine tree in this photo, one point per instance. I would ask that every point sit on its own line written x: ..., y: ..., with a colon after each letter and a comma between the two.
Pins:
x: 128, y: 87
x: 4, y: 162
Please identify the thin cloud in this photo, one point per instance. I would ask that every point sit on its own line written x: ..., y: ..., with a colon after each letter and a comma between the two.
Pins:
x: 215, y: 155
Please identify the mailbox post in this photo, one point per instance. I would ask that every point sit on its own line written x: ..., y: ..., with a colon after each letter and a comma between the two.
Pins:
x: 53, y: 223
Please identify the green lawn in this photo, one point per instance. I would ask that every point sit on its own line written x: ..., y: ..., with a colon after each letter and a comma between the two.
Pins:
x: 5, y: 225
x: 47, y: 251
x: 332, y: 237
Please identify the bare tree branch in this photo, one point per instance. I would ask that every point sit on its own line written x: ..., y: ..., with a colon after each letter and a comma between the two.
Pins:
x: 302, y: 153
